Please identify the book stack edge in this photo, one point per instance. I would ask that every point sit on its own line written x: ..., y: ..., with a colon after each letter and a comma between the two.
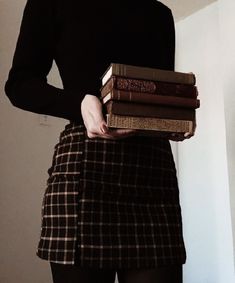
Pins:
x: 153, y: 101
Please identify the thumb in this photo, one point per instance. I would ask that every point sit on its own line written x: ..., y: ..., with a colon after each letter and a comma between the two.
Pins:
x: 103, y: 126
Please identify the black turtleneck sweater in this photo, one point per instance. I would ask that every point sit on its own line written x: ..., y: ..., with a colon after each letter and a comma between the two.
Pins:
x: 84, y: 37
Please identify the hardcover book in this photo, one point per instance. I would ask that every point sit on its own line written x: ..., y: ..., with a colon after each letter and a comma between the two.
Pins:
x: 147, y: 73
x: 147, y: 86
x: 139, y: 97
x: 159, y: 134
x: 148, y: 110
x: 149, y: 123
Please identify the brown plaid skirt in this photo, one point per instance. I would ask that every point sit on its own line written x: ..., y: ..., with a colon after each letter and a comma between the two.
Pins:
x: 111, y: 203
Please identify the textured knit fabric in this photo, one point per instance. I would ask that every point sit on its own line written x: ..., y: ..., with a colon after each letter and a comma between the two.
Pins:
x: 111, y: 204
x: 107, y: 203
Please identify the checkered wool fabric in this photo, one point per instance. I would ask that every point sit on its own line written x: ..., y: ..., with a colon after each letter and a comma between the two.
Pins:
x: 111, y: 203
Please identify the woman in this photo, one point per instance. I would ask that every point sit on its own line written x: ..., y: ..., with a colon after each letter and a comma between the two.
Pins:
x: 112, y: 199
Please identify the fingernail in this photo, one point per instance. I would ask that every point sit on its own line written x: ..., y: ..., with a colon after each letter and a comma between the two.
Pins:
x: 104, y: 129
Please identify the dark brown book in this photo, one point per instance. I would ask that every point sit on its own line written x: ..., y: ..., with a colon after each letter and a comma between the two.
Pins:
x: 148, y: 110
x: 138, y: 72
x: 147, y: 86
x: 160, y: 134
x: 147, y: 98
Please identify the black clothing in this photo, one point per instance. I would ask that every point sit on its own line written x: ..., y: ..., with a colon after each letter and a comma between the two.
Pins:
x: 111, y: 203
x: 83, y: 39
x: 116, y: 202
x: 73, y: 274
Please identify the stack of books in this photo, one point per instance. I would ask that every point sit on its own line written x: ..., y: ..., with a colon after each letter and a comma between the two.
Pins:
x: 153, y: 101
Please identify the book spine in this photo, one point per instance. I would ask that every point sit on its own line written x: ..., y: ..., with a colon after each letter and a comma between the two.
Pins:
x: 148, y: 110
x: 153, y: 74
x: 151, y: 99
x: 146, y: 86
x: 146, y: 123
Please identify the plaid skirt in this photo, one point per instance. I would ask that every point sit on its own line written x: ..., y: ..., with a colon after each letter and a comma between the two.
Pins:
x: 111, y: 203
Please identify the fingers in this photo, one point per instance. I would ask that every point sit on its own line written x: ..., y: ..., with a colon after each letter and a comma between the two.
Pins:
x: 181, y: 136
x: 103, y: 127
x: 177, y: 137
x: 188, y: 135
x: 112, y: 133
x: 119, y: 132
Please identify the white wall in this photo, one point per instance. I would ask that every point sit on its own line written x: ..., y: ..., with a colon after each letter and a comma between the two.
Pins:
x: 202, y: 160
x: 227, y: 41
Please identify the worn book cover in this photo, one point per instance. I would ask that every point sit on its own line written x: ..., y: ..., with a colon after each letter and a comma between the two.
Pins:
x: 148, y: 86
x: 149, y: 123
x: 139, y: 72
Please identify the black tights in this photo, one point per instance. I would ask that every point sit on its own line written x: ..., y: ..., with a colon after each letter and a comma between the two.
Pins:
x: 64, y: 273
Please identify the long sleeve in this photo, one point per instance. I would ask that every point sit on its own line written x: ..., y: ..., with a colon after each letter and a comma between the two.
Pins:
x: 27, y: 86
x: 170, y: 42
x: 164, y: 35
x: 63, y: 31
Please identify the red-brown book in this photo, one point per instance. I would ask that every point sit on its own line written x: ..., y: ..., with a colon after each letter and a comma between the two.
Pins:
x: 148, y: 86
x: 149, y: 98
x: 148, y: 110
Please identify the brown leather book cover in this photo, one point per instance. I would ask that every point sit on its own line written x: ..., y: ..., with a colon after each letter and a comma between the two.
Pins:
x: 149, y: 123
x: 148, y: 110
x: 147, y: 98
x: 139, y: 72
x: 147, y: 86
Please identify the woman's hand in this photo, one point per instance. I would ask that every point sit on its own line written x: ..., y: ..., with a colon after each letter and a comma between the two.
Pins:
x: 91, y: 109
x: 181, y: 137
